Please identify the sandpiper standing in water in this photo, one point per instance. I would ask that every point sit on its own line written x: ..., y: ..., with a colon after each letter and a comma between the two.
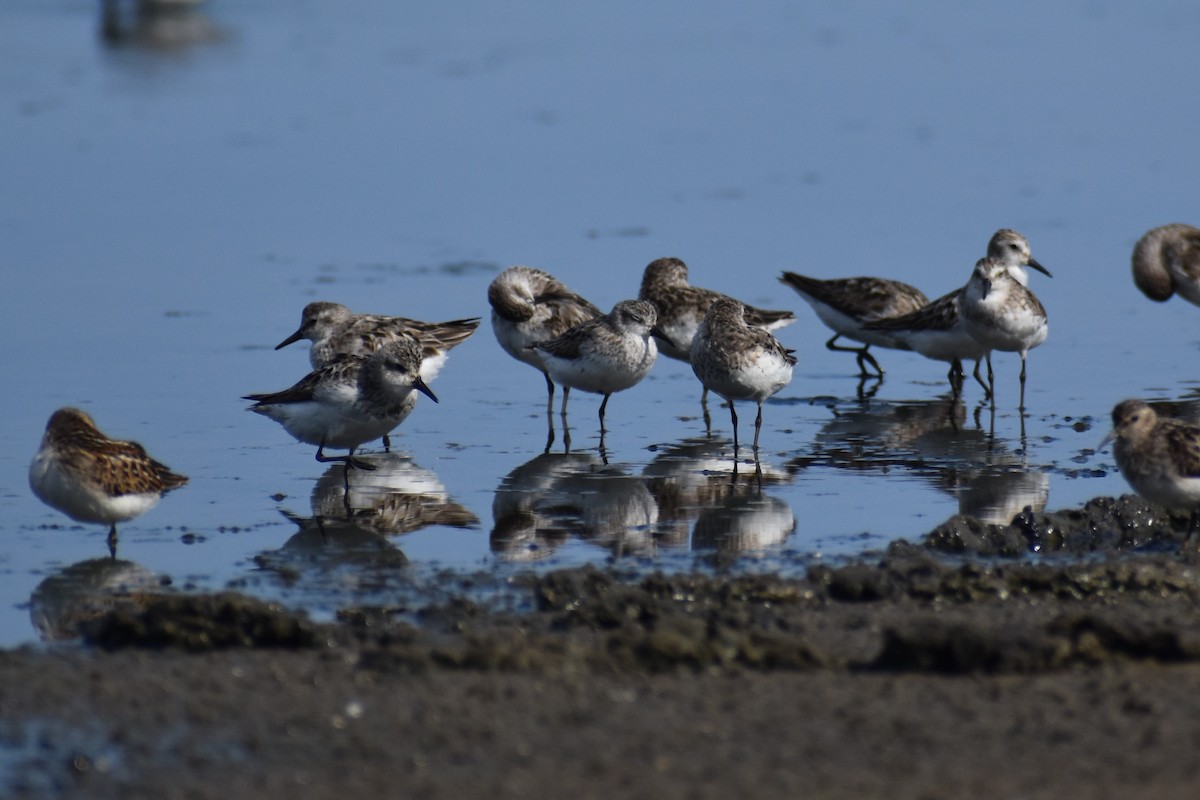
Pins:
x: 350, y: 400
x: 1001, y: 313
x: 681, y: 308
x: 1159, y: 457
x: 92, y: 478
x: 938, y: 331
x: 1166, y: 260
x: 738, y: 361
x: 530, y: 306
x: 335, y: 330
x: 846, y: 305
x: 604, y: 355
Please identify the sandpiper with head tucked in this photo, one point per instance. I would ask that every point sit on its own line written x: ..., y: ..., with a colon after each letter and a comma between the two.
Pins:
x: 92, y: 478
x: 739, y: 361
x: 846, y: 305
x: 606, y: 354
x: 1159, y: 457
x: 1166, y: 260
x: 350, y: 400
x: 530, y: 306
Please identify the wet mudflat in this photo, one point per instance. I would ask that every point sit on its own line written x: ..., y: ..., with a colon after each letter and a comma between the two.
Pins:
x: 913, y: 673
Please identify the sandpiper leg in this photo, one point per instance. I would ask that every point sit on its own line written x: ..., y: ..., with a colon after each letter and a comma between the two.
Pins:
x: 603, y: 405
x: 112, y: 541
x: 733, y: 414
x: 987, y: 387
x: 550, y: 391
x: 757, y: 429
x: 387, y: 443
x: 1021, y: 407
x: 566, y: 394
x: 955, y: 377
x: 991, y: 382
x: 861, y: 355
x: 348, y: 459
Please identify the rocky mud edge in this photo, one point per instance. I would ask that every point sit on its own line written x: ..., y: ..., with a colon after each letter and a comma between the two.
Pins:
x: 1059, y: 652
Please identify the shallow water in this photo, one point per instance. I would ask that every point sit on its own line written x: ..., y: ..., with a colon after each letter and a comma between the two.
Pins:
x: 174, y: 196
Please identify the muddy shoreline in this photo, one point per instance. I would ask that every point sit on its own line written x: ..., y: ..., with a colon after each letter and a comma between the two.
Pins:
x: 959, y: 664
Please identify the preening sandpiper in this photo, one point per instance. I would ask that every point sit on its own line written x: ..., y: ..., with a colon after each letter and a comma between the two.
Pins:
x: 1166, y: 260
x: 530, y: 306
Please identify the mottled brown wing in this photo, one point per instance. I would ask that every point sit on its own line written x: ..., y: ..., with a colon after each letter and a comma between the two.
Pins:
x: 863, y: 298
x: 570, y: 344
x: 567, y: 311
x: 1183, y: 442
x: 941, y: 314
x: 125, y: 468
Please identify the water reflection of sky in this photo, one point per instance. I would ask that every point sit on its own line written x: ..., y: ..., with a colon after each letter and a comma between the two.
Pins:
x: 167, y: 210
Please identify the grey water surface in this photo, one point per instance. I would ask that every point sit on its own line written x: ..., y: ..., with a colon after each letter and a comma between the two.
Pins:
x: 174, y: 188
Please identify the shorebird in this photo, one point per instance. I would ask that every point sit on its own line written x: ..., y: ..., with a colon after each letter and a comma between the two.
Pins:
x: 92, y: 478
x: 738, y: 361
x: 1159, y: 457
x: 938, y: 331
x: 335, y: 330
x: 846, y: 305
x: 681, y: 308
x: 1001, y: 313
x: 530, y: 306
x: 350, y: 400
x: 606, y: 354
x: 1166, y: 260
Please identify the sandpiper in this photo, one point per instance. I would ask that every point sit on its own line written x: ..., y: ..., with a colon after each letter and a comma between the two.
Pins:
x: 335, y: 330
x: 92, y: 478
x: 938, y: 331
x: 681, y: 309
x: 350, y: 400
x: 846, y: 305
x: 530, y: 306
x: 1159, y: 457
x: 739, y: 361
x: 1166, y: 260
x: 606, y: 354
x: 1001, y: 313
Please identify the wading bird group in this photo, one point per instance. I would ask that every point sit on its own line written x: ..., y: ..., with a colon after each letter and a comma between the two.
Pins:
x: 367, y: 370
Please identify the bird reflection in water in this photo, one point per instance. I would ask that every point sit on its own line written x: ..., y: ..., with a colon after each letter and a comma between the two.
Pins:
x: 542, y: 503
x: 162, y: 26
x: 87, y: 590
x: 930, y: 440
x: 698, y: 478
x: 354, y: 510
